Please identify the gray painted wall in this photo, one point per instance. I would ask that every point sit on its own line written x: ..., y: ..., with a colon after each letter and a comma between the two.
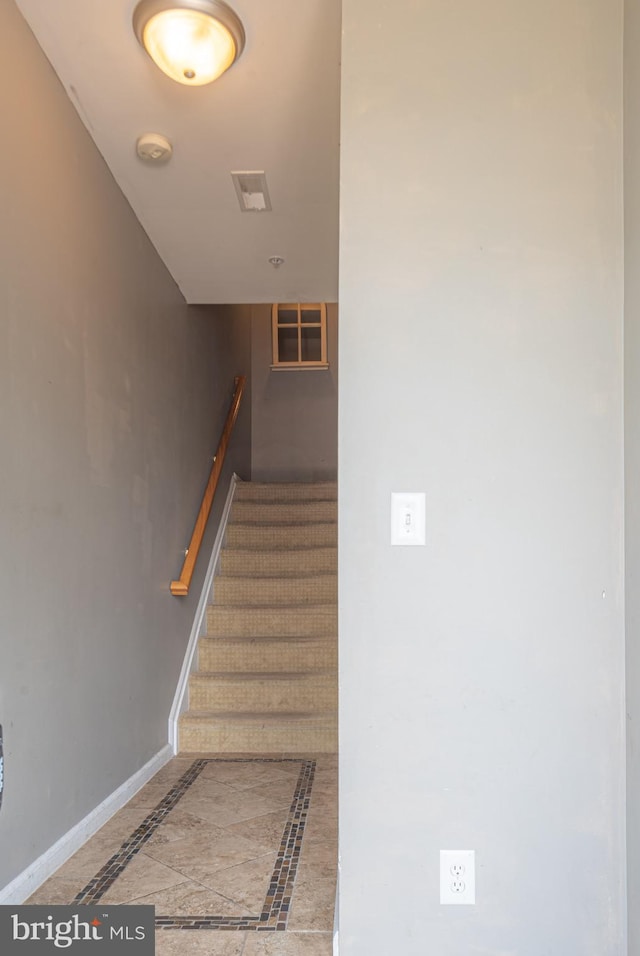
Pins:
x: 482, y: 677
x: 632, y: 456
x: 294, y: 414
x: 112, y: 395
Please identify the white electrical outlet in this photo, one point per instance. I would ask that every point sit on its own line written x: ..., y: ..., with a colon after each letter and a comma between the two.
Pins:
x: 457, y: 877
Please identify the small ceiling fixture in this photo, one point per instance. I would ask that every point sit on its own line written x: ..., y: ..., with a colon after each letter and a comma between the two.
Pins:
x: 154, y: 148
x: 276, y: 261
x: 192, y: 41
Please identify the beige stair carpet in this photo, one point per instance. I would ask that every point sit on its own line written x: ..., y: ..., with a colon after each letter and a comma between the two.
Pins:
x: 266, y: 679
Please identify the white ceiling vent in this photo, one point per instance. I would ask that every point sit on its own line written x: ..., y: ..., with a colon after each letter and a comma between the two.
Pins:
x: 252, y: 191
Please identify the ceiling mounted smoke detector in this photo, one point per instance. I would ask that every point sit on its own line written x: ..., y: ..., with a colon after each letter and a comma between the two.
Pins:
x: 192, y: 41
x: 154, y: 148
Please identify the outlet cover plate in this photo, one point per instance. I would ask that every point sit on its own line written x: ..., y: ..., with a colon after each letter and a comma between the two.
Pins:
x: 457, y: 877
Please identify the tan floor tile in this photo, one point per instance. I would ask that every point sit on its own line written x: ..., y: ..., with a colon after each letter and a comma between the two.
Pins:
x: 154, y: 791
x: 315, y: 912
x: 150, y: 795
x: 326, y: 788
x: 288, y: 944
x: 141, y: 877
x: 280, y: 792
x: 323, y: 810
x: 323, y: 806
x: 314, y: 897
x: 204, y: 787
x: 326, y: 781
x: 94, y: 854
x: 197, y: 859
x: 214, y: 855
x: 247, y: 883
x: 322, y: 782
x: 121, y: 825
x: 291, y: 767
x: 265, y: 830
x: 199, y: 943
x: 326, y: 791
x: 223, y: 809
x: 193, y: 899
x: 56, y: 892
x: 171, y: 772
x: 205, y: 781
x: 309, y: 873
x: 174, y: 768
x: 181, y: 825
x: 326, y: 761
x: 321, y: 827
x: 321, y: 831
x: 247, y: 776
x: 323, y: 852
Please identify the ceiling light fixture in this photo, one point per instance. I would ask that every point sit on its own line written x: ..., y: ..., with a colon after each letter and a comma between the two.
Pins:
x: 192, y: 41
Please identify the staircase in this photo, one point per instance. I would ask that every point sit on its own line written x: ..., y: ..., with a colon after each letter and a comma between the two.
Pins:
x: 267, y: 668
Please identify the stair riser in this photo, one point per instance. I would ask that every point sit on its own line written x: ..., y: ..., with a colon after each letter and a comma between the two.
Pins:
x: 267, y: 622
x: 289, y: 513
x: 270, y: 564
x: 256, y: 491
x: 286, y: 536
x: 251, y: 737
x: 253, y: 656
x: 265, y: 696
x: 277, y: 592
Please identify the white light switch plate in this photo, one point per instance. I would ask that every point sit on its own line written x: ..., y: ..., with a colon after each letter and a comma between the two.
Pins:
x: 408, y: 510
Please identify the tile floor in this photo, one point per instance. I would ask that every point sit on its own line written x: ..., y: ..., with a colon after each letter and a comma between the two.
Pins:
x: 244, y: 847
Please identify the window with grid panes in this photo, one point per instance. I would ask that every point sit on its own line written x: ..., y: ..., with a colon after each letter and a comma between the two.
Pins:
x: 299, y: 335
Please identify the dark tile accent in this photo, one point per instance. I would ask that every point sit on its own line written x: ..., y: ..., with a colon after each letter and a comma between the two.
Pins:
x: 275, y: 909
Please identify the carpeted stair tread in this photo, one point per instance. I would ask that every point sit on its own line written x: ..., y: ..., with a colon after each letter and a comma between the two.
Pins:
x: 307, y: 620
x: 286, y: 491
x: 270, y: 654
x: 256, y: 716
x: 266, y: 675
x: 266, y: 592
x: 286, y: 513
x: 269, y: 563
x: 258, y: 732
x: 284, y: 536
x: 263, y: 692
x: 275, y: 639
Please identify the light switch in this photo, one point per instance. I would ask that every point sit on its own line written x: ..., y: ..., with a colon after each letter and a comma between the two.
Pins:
x: 408, y: 509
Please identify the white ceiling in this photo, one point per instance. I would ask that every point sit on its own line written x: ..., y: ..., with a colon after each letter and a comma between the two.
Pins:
x: 276, y: 109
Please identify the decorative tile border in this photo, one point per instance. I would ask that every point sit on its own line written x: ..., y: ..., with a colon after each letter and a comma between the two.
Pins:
x: 275, y: 910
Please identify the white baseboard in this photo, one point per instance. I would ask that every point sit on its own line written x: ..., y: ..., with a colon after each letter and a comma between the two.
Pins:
x: 45, y: 866
x: 180, y: 698
x: 336, y: 917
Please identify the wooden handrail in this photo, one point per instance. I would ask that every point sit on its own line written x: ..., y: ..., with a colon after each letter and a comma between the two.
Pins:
x: 181, y: 587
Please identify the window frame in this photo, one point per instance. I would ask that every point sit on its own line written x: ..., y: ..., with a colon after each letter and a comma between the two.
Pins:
x: 276, y: 325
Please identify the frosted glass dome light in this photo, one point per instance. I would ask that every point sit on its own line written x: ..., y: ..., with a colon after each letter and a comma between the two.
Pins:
x: 192, y: 41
